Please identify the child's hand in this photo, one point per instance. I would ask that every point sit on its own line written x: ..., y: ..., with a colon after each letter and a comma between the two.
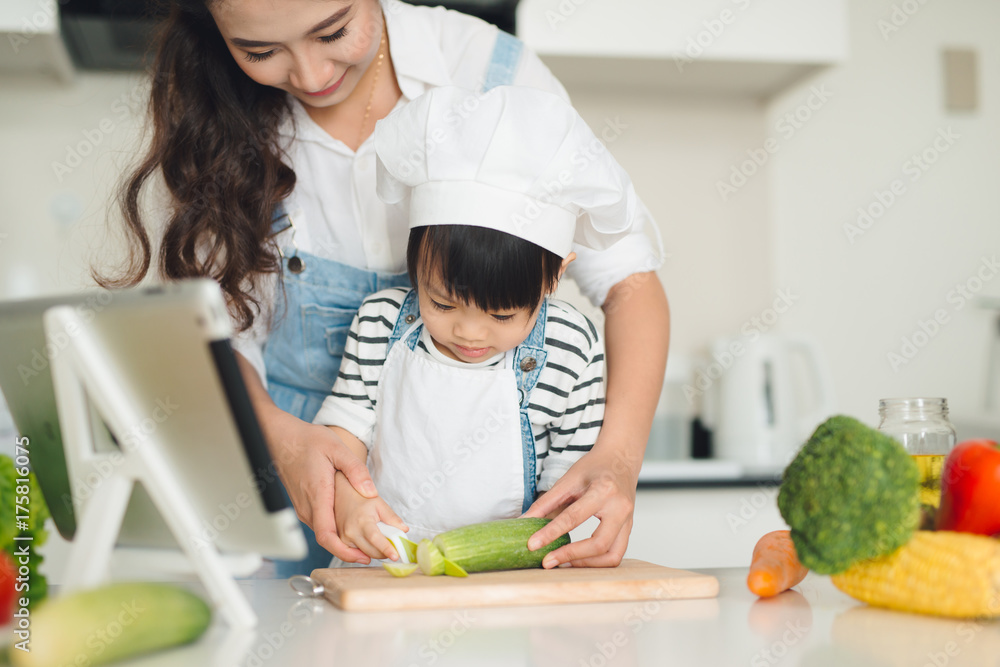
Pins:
x: 357, y: 522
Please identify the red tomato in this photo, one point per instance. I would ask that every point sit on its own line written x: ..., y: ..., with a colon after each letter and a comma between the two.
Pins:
x: 970, y: 489
x: 8, y: 571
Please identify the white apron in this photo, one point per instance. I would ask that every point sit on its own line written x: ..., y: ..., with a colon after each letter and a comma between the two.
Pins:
x: 447, y: 448
x: 453, y: 446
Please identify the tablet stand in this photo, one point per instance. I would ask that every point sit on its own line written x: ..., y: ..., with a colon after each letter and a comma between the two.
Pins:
x: 85, y: 382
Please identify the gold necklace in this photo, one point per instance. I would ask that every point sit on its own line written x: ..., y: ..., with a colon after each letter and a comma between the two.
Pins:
x: 371, y: 95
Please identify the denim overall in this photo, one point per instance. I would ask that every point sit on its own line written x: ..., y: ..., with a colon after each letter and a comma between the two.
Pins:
x: 303, y: 351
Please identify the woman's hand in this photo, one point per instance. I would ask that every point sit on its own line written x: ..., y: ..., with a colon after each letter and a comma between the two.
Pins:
x: 597, y: 485
x: 602, y: 483
x: 308, y: 458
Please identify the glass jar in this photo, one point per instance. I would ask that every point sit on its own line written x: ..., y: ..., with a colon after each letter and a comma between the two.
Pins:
x: 922, y: 425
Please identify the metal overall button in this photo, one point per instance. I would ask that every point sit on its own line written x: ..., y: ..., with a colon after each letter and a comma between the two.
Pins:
x: 410, y: 319
x: 528, y: 364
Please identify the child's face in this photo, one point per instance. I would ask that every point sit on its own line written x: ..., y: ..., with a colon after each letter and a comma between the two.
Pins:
x: 464, y: 332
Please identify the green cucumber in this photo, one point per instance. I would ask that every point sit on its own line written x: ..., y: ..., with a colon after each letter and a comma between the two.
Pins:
x: 410, y: 548
x: 495, y: 545
x: 400, y: 569
x: 429, y: 558
x: 110, y: 623
x: 453, y: 570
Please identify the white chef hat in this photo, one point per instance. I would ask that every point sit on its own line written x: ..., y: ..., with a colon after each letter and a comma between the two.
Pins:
x: 515, y: 159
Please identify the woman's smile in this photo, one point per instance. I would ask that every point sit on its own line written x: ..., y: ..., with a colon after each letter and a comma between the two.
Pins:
x: 331, y: 89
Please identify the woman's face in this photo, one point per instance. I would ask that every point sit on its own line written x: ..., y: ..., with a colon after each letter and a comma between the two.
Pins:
x: 316, y: 50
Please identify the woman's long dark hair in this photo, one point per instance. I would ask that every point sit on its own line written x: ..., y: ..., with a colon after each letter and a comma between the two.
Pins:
x: 215, y: 142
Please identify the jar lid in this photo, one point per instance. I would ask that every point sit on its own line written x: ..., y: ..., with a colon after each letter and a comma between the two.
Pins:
x: 910, y: 405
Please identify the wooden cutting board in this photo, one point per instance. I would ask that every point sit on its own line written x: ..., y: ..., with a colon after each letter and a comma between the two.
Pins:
x: 374, y: 589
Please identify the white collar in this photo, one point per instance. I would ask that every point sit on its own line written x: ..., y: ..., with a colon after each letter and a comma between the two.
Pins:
x: 414, y: 48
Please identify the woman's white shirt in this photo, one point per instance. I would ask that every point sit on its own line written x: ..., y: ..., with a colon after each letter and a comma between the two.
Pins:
x: 334, y: 209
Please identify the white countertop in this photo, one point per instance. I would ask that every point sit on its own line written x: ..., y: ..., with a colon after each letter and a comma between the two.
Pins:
x: 815, y: 625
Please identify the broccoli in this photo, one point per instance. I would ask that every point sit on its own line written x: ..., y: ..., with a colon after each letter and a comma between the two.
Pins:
x: 850, y: 494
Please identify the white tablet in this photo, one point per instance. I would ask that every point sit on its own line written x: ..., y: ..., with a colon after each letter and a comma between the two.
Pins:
x: 169, y: 348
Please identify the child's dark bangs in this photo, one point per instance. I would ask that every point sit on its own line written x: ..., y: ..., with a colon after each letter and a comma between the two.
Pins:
x: 484, y: 267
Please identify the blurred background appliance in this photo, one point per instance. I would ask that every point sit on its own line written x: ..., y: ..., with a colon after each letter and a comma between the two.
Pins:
x: 765, y: 397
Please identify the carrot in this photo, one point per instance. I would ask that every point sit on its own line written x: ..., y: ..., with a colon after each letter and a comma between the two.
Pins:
x: 774, y: 566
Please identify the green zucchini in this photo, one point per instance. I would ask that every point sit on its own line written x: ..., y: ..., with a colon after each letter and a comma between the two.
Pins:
x: 481, y: 547
x: 110, y: 623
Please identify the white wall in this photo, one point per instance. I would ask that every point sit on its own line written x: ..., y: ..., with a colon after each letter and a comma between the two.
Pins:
x: 63, y: 147
x: 716, y: 273
x: 861, y: 298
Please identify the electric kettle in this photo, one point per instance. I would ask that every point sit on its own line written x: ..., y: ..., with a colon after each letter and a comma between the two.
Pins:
x: 764, y: 397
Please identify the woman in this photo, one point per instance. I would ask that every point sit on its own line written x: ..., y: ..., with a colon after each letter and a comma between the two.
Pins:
x: 262, y: 113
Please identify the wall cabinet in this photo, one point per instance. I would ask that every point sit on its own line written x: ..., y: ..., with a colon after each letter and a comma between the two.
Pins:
x: 29, y: 30
x: 744, y: 47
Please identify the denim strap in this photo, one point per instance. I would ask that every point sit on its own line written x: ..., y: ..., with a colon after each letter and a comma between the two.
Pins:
x: 529, y: 359
x: 503, y: 62
x: 408, y: 314
x: 279, y: 219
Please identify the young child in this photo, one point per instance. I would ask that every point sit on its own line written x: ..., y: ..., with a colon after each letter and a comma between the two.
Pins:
x: 474, y: 392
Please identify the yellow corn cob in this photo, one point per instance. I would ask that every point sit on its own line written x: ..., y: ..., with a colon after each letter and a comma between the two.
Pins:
x: 940, y: 572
